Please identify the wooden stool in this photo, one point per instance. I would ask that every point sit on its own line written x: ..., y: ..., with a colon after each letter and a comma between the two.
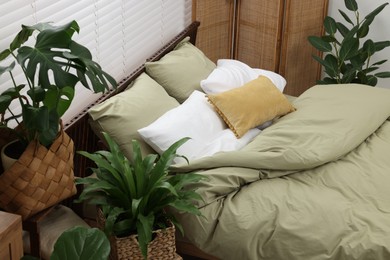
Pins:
x: 44, y: 228
x: 11, y: 243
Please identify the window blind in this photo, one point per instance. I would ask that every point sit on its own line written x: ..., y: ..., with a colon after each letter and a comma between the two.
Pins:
x: 121, y: 34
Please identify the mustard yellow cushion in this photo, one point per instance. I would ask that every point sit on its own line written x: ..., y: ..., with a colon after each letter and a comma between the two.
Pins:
x: 251, y: 105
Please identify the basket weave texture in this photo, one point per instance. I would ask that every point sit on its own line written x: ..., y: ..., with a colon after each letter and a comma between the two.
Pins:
x: 162, y: 247
x: 40, y: 178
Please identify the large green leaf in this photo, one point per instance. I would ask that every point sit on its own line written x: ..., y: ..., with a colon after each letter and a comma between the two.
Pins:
x: 5, y: 101
x: 4, y: 54
x: 144, y: 231
x: 349, y: 48
x: 374, y: 13
x: 381, y: 45
x: 89, y: 71
x: 346, y: 17
x: 372, y: 80
x: 351, y: 5
x: 364, y: 29
x: 342, y: 29
x: 369, y: 47
x: 320, y: 44
x: 379, y: 62
x: 331, y: 65
x: 58, y: 99
x: 36, y: 118
x: 383, y: 74
x: 330, y: 25
x: 81, y: 243
x: 46, y: 57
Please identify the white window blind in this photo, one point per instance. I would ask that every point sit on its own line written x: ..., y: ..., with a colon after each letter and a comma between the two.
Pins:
x: 121, y: 34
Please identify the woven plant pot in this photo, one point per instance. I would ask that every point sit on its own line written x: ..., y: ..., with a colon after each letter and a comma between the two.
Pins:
x: 163, y: 246
x: 40, y: 178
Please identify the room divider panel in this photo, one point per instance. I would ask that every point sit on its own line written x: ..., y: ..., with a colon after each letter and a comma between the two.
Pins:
x: 264, y: 34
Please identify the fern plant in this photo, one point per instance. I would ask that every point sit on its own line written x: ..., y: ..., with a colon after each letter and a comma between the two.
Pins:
x: 347, y: 54
x: 133, y: 196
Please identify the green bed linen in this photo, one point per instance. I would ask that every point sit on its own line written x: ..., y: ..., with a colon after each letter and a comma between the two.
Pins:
x: 314, y: 185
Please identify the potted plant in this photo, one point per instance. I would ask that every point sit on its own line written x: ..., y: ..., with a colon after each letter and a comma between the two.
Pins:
x: 347, y: 56
x: 52, y: 64
x: 132, y: 197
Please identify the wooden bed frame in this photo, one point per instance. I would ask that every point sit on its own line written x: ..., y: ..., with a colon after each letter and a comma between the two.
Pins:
x: 79, y: 130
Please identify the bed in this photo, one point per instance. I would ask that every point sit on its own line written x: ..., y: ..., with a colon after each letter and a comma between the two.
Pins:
x: 312, y: 184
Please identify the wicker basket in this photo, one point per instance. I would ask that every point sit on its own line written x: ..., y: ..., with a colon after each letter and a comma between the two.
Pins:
x: 163, y: 246
x: 40, y: 178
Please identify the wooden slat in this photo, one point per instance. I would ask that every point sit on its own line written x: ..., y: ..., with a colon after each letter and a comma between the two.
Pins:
x: 215, y: 30
x: 303, y: 18
x: 259, y: 25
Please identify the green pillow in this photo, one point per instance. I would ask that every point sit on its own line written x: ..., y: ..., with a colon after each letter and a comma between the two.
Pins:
x: 181, y: 70
x: 123, y: 114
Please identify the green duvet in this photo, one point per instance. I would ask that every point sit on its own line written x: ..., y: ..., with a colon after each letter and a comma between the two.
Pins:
x: 314, y: 185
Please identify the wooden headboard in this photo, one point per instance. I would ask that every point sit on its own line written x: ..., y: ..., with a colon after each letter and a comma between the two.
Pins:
x: 78, y: 127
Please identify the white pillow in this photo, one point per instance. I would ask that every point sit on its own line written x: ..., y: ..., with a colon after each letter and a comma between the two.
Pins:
x: 197, y: 119
x: 231, y: 74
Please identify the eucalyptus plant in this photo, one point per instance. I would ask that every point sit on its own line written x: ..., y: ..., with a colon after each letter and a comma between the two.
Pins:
x: 347, y: 54
x: 51, y: 67
x: 134, y: 195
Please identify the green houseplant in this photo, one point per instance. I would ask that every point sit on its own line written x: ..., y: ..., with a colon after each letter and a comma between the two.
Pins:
x: 347, y: 53
x: 133, y: 196
x: 51, y: 64
x: 44, y: 99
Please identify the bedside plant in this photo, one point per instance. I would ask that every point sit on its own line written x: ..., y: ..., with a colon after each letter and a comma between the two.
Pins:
x: 133, y: 196
x: 51, y: 63
x: 44, y: 99
x: 347, y: 59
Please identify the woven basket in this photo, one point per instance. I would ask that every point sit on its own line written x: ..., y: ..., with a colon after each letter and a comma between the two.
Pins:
x: 40, y: 178
x: 163, y: 246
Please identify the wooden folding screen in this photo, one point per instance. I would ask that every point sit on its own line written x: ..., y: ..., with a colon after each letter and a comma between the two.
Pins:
x: 215, y: 33
x: 264, y: 34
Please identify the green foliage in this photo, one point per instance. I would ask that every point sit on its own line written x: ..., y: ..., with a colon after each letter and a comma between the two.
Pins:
x: 346, y: 53
x: 134, y: 196
x: 79, y: 243
x: 51, y: 67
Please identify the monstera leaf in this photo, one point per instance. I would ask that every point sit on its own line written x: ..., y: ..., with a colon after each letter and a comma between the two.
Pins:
x: 53, y: 65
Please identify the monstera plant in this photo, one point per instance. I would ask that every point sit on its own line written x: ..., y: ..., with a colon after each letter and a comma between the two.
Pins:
x: 52, y: 66
x: 347, y: 52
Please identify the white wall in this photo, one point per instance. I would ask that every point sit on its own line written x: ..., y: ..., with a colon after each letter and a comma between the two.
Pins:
x: 379, y: 30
